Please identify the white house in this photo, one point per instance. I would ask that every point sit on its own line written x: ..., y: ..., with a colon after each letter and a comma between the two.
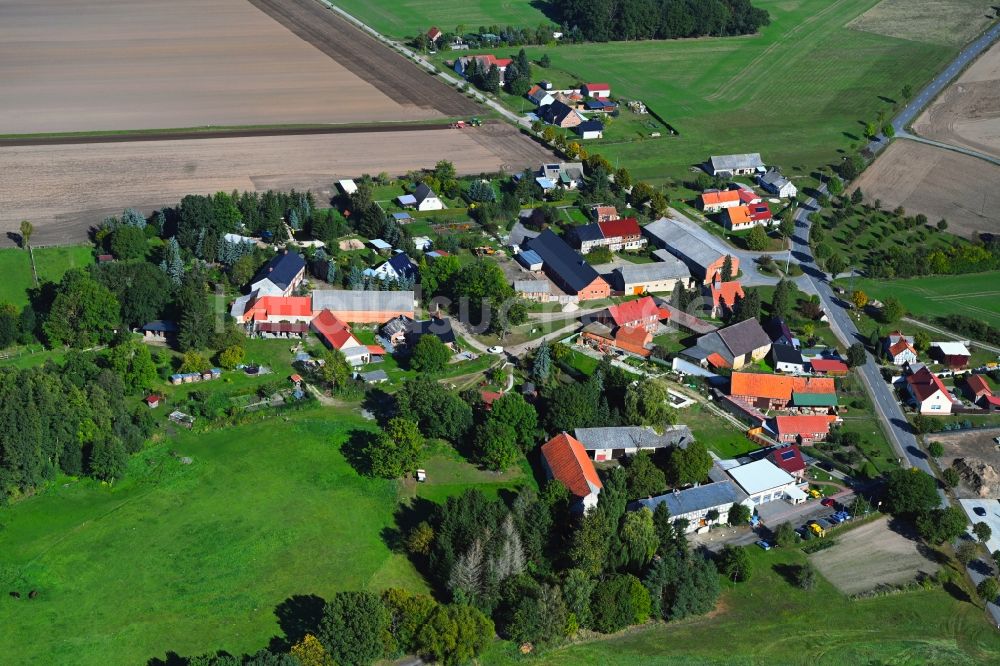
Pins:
x: 399, y: 267
x: 695, y: 504
x: 425, y: 199
x: 743, y: 164
x: 787, y: 359
x: 928, y: 391
x: 763, y: 481
x: 899, y: 348
x: 776, y: 184
x: 590, y: 129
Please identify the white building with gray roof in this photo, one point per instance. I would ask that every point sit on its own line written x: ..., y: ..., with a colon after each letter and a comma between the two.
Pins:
x: 694, y: 504
x: 659, y: 276
x: 702, y: 258
x: 742, y: 164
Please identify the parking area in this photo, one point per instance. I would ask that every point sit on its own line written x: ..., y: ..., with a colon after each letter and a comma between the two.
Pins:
x: 984, y: 511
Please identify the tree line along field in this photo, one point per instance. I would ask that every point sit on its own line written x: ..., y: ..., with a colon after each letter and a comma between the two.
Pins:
x: 194, y: 558
x: 799, y: 92
x: 974, y: 295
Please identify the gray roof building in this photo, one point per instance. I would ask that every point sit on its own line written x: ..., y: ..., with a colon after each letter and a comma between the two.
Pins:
x: 660, y: 270
x: 684, y: 245
x: 731, y: 342
x: 739, y: 163
x: 531, y: 286
x: 633, y: 437
x: 362, y: 301
x: 772, y: 181
x: 699, y: 498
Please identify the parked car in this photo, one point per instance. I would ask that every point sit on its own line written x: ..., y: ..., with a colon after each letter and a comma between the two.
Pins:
x: 835, y: 519
x: 825, y: 524
x: 763, y: 544
x: 826, y: 501
x: 979, y: 511
x: 496, y: 349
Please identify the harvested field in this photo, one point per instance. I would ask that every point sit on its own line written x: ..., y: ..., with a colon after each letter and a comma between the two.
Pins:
x: 142, y: 64
x: 967, y: 113
x: 869, y: 556
x: 64, y: 189
x: 974, y: 447
x: 939, y: 183
x: 946, y: 22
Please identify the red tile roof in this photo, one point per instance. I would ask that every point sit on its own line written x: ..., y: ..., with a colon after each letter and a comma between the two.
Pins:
x: 633, y: 340
x: 153, y: 399
x: 978, y: 385
x: 716, y: 360
x: 901, y: 346
x: 489, y: 397
x: 267, y: 307
x: 632, y: 312
x: 925, y: 383
x: 993, y: 400
x: 720, y: 197
x: 597, y: 86
x: 728, y: 291
x: 803, y: 425
x: 568, y: 462
x: 748, y: 196
x: 296, y: 378
x: 760, y: 212
x: 376, y: 350
x: 778, y: 387
x: 622, y: 228
x: 828, y: 365
x: 788, y: 458
x: 336, y: 332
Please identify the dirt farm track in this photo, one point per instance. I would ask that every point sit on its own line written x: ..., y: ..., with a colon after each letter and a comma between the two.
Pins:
x: 65, y: 189
x: 144, y: 64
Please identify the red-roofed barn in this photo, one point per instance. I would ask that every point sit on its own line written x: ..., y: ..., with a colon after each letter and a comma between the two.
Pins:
x: 566, y: 460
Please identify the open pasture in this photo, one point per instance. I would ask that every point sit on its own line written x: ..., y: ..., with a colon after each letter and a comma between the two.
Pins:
x: 974, y: 295
x: 947, y: 22
x: 194, y: 558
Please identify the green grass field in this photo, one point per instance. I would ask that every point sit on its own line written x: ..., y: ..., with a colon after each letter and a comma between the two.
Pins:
x: 799, y: 92
x: 768, y: 621
x: 51, y: 263
x: 974, y: 295
x: 195, y: 558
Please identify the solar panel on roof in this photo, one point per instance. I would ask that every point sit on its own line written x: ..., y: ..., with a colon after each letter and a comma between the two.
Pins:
x: 787, y: 455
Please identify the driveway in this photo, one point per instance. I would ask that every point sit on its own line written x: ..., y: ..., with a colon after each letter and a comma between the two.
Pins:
x: 992, y: 518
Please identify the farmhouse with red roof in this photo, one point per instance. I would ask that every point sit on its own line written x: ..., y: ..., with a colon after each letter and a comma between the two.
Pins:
x: 566, y: 460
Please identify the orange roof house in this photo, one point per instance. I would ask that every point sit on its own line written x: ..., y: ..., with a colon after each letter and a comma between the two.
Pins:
x: 804, y: 429
x: 633, y: 340
x: 566, y: 460
x: 724, y: 293
x: 777, y: 391
x: 713, y: 202
x: 642, y: 312
x: 278, y: 308
x: 738, y: 218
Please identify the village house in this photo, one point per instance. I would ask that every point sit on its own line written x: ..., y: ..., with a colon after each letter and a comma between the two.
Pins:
x: 694, y: 505
x: 779, y: 332
x: 642, y: 313
x: 590, y: 129
x: 636, y: 341
x: 776, y: 184
x: 731, y: 347
x: 763, y: 482
x: 567, y: 269
x: 763, y: 391
x: 953, y: 355
x: 439, y: 327
x: 536, y: 291
x: 612, y: 443
x: 280, y: 276
x: 722, y: 297
x: 657, y: 277
x: 744, y: 164
x: 802, y: 429
x: 567, y: 175
x: 603, y: 213
x: 423, y: 198
x: 899, y: 349
x: 616, y: 235
x: 336, y: 334
x: 159, y: 330
x: 484, y: 62
x: 828, y: 366
x: 788, y: 359
x: 714, y: 201
x: 977, y: 388
x: 595, y: 90
x: 565, y: 460
x: 586, y: 237
x: 789, y: 458
x: 599, y: 105
x: 274, y: 316
x: 539, y: 96
x: 398, y: 267
x: 363, y: 307
x: 561, y: 115
x: 395, y: 329
x: 927, y: 391
x: 704, y: 261
x: 741, y: 218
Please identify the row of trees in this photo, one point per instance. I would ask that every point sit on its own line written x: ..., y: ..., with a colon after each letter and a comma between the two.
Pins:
x: 603, y: 20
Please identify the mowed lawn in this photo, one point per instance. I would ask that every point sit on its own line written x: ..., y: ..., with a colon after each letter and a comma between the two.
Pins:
x: 768, y: 621
x: 799, y: 92
x: 194, y: 558
x: 403, y: 19
x: 51, y: 263
x: 976, y: 295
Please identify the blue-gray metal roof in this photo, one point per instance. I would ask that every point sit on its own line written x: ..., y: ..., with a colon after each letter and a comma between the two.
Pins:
x: 282, y: 269
x: 588, y: 232
x: 699, y: 498
x: 561, y: 259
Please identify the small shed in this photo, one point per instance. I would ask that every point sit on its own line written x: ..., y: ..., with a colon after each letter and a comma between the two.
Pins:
x: 530, y: 260
x: 407, y: 200
x: 402, y: 218
x: 153, y: 401
x: 347, y: 186
x: 379, y: 244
